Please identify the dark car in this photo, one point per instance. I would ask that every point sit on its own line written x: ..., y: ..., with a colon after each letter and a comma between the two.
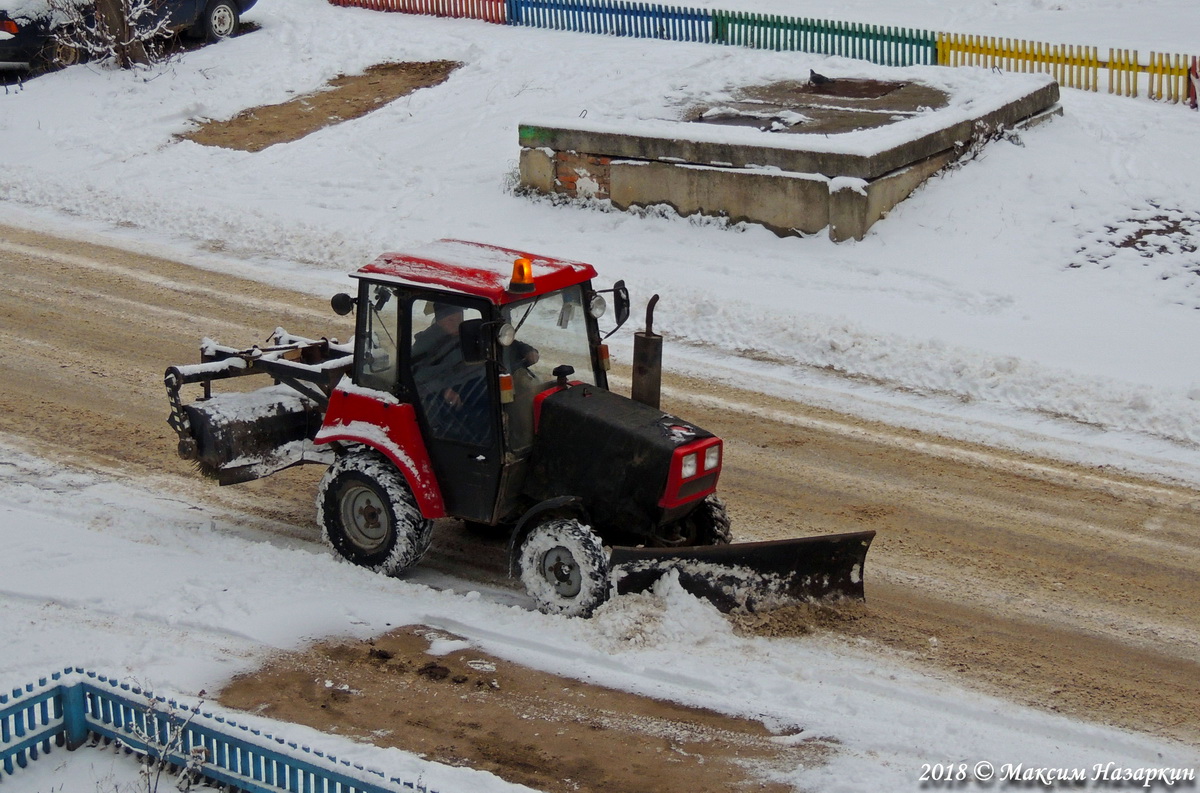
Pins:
x: 34, y: 37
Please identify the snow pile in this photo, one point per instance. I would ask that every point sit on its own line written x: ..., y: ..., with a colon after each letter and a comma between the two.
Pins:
x: 665, y: 617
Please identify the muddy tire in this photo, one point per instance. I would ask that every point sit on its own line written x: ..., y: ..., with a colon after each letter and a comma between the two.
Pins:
x: 708, y: 523
x: 368, y: 514
x: 564, y: 568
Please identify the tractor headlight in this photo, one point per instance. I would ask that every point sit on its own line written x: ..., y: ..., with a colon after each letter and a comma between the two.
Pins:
x: 693, y: 472
x: 597, y: 306
x: 687, y: 468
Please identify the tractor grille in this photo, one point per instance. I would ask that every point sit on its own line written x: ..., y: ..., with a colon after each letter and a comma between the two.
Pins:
x: 703, y: 484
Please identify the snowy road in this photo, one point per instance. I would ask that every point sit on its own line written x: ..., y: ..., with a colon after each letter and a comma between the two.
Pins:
x: 1051, y: 584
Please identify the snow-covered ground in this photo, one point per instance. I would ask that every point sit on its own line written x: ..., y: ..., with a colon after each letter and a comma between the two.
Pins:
x: 992, y: 304
x: 185, y: 598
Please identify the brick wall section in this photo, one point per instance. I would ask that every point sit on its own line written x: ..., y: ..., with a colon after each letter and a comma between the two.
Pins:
x: 582, y: 175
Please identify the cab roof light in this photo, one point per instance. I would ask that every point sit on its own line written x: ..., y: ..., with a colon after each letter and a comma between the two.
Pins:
x: 522, y: 277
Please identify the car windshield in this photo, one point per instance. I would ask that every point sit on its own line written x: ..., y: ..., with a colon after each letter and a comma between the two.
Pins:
x: 551, y: 331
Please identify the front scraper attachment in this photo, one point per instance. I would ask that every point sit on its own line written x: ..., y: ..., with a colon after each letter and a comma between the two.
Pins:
x: 752, y: 576
x: 238, y: 436
x: 243, y: 436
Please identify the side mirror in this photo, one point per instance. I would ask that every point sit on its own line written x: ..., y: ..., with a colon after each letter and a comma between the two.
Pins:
x: 342, y: 304
x: 475, y: 340
x: 620, y: 302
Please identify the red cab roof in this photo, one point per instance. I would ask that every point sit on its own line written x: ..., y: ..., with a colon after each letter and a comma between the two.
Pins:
x: 474, y: 268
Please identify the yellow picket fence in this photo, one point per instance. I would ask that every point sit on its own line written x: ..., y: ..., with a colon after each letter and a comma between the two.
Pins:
x: 1072, y: 66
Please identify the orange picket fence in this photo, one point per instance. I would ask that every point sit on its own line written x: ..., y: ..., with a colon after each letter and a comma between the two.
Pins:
x: 486, y: 10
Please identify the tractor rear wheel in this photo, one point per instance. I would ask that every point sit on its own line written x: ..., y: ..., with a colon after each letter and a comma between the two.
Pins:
x: 564, y: 568
x: 368, y: 514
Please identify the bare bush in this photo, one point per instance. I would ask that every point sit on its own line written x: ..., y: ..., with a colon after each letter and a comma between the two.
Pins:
x: 126, y: 33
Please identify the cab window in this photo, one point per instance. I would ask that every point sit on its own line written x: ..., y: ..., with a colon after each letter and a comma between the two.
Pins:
x: 378, y: 365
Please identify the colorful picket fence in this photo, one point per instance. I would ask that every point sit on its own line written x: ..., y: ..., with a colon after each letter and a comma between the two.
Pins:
x: 75, y: 706
x: 1165, y: 76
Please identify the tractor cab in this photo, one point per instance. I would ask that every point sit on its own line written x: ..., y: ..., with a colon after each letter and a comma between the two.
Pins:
x: 472, y: 336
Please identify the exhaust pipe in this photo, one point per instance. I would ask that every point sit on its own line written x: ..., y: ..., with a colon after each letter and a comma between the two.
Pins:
x: 647, y: 362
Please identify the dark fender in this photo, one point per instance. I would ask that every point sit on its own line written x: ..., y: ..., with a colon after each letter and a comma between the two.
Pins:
x: 559, y: 505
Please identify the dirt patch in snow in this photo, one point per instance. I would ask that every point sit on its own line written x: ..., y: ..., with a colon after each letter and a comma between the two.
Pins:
x: 346, y: 97
x: 468, y: 708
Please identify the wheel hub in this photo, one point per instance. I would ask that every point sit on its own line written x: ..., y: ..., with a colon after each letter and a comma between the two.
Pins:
x: 222, y: 22
x: 561, y: 570
x: 364, y: 518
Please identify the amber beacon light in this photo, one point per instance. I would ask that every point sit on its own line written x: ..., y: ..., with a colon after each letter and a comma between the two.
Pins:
x: 522, y: 276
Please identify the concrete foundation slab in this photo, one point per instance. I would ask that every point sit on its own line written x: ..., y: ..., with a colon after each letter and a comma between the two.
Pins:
x: 796, y: 157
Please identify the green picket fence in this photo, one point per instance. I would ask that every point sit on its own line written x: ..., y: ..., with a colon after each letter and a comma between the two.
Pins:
x: 888, y: 46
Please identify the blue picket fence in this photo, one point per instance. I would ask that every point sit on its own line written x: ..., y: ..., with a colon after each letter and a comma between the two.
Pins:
x: 883, y: 45
x: 29, y: 726
x: 614, y: 18
x: 74, y: 706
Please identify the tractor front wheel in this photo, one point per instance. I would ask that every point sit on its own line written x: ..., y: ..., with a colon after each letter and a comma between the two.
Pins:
x: 564, y: 568
x: 711, y: 520
x: 369, y: 516
x: 708, y: 524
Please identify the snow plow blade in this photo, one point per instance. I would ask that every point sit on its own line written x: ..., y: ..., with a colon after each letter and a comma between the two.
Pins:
x: 752, y: 576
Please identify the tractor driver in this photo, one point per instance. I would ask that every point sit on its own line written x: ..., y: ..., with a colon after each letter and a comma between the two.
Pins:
x: 453, y: 392
x: 437, y: 361
x: 437, y: 352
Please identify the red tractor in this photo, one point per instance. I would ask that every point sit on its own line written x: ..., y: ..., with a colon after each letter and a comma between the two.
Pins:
x: 476, y: 388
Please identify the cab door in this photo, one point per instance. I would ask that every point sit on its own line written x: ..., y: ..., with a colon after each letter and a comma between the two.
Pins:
x: 458, y: 405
